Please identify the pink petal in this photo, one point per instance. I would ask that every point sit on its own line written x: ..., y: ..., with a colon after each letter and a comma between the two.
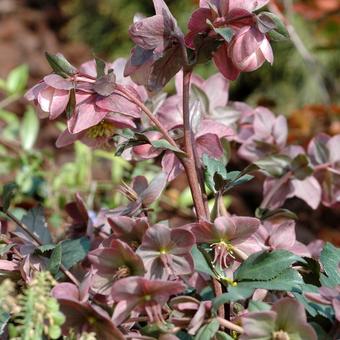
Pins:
x: 308, y: 190
x: 224, y: 63
x: 283, y: 236
x: 244, y: 228
x: 58, y: 82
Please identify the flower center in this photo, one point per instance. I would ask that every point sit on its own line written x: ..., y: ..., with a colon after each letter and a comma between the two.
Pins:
x: 122, y: 272
x: 280, y: 335
x: 103, y: 129
x: 163, y: 251
x: 223, y: 253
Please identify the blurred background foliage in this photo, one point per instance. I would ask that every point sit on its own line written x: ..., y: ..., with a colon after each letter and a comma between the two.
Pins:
x: 303, y: 84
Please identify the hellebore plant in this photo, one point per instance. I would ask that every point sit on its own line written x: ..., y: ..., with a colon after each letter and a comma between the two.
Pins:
x: 124, y: 273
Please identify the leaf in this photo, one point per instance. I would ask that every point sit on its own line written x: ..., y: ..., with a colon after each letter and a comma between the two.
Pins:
x: 330, y: 259
x: 278, y: 32
x: 208, y: 331
x: 264, y: 214
x: 257, y: 306
x: 71, y: 104
x: 275, y: 166
x: 201, y: 264
x: 301, y: 167
x: 5, y: 248
x: 60, y: 65
x: 17, y: 79
x: 74, y: 251
x: 35, y: 221
x: 201, y: 97
x: 8, y: 193
x: 223, y: 336
x: 213, y: 166
x: 266, y: 265
x: 100, y: 67
x: 234, y: 294
x: 55, y: 259
x: 225, y: 32
x: 164, y: 144
x: 46, y: 247
x: 286, y: 281
x: 29, y: 129
x: 4, y: 318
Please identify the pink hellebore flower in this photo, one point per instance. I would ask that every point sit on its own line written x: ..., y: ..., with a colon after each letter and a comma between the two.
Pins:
x: 281, y: 236
x: 228, y: 237
x: 143, y: 295
x: 324, y: 152
x: 247, y: 49
x: 112, y: 263
x: 286, y: 320
x: 166, y: 252
x: 82, y: 316
x: 269, y: 135
x: 327, y: 296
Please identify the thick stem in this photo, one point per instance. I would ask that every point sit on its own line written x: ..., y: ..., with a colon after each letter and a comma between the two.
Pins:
x: 149, y: 114
x: 189, y: 162
x: 22, y: 226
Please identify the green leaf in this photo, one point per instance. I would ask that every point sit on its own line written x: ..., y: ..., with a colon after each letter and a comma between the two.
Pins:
x: 208, y: 331
x: 74, y: 251
x: 17, y: 79
x: 278, y: 31
x: 275, y: 166
x: 258, y: 306
x: 266, y: 265
x: 225, y: 32
x: 301, y: 167
x: 330, y: 259
x: 100, y: 67
x: 164, y: 144
x: 71, y: 104
x: 35, y: 221
x: 45, y: 247
x: 8, y: 193
x: 5, y: 248
x: 223, y: 336
x: 234, y: 294
x: 286, y: 281
x: 60, y: 65
x: 213, y: 166
x: 200, y: 262
x: 264, y: 214
x: 29, y: 129
x: 4, y: 318
x: 55, y: 259
x: 201, y: 97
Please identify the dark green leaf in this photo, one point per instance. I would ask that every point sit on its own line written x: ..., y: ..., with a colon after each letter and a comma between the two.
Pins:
x: 29, y: 129
x: 60, y: 65
x: 201, y: 264
x: 35, y: 221
x: 184, y: 336
x: 74, y: 251
x: 234, y: 294
x: 264, y: 214
x: 55, y: 259
x: 275, y: 166
x: 4, y: 318
x: 8, y: 193
x: 225, y: 32
x: 208, y: 331
x: 330, y: 259
x: 287, y: 281
x: 71, y: 104
x: 165, y: 145
x: 301, y: 167
x: 46, y: 247
x: 212, y: 167
x: 266, y: 265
